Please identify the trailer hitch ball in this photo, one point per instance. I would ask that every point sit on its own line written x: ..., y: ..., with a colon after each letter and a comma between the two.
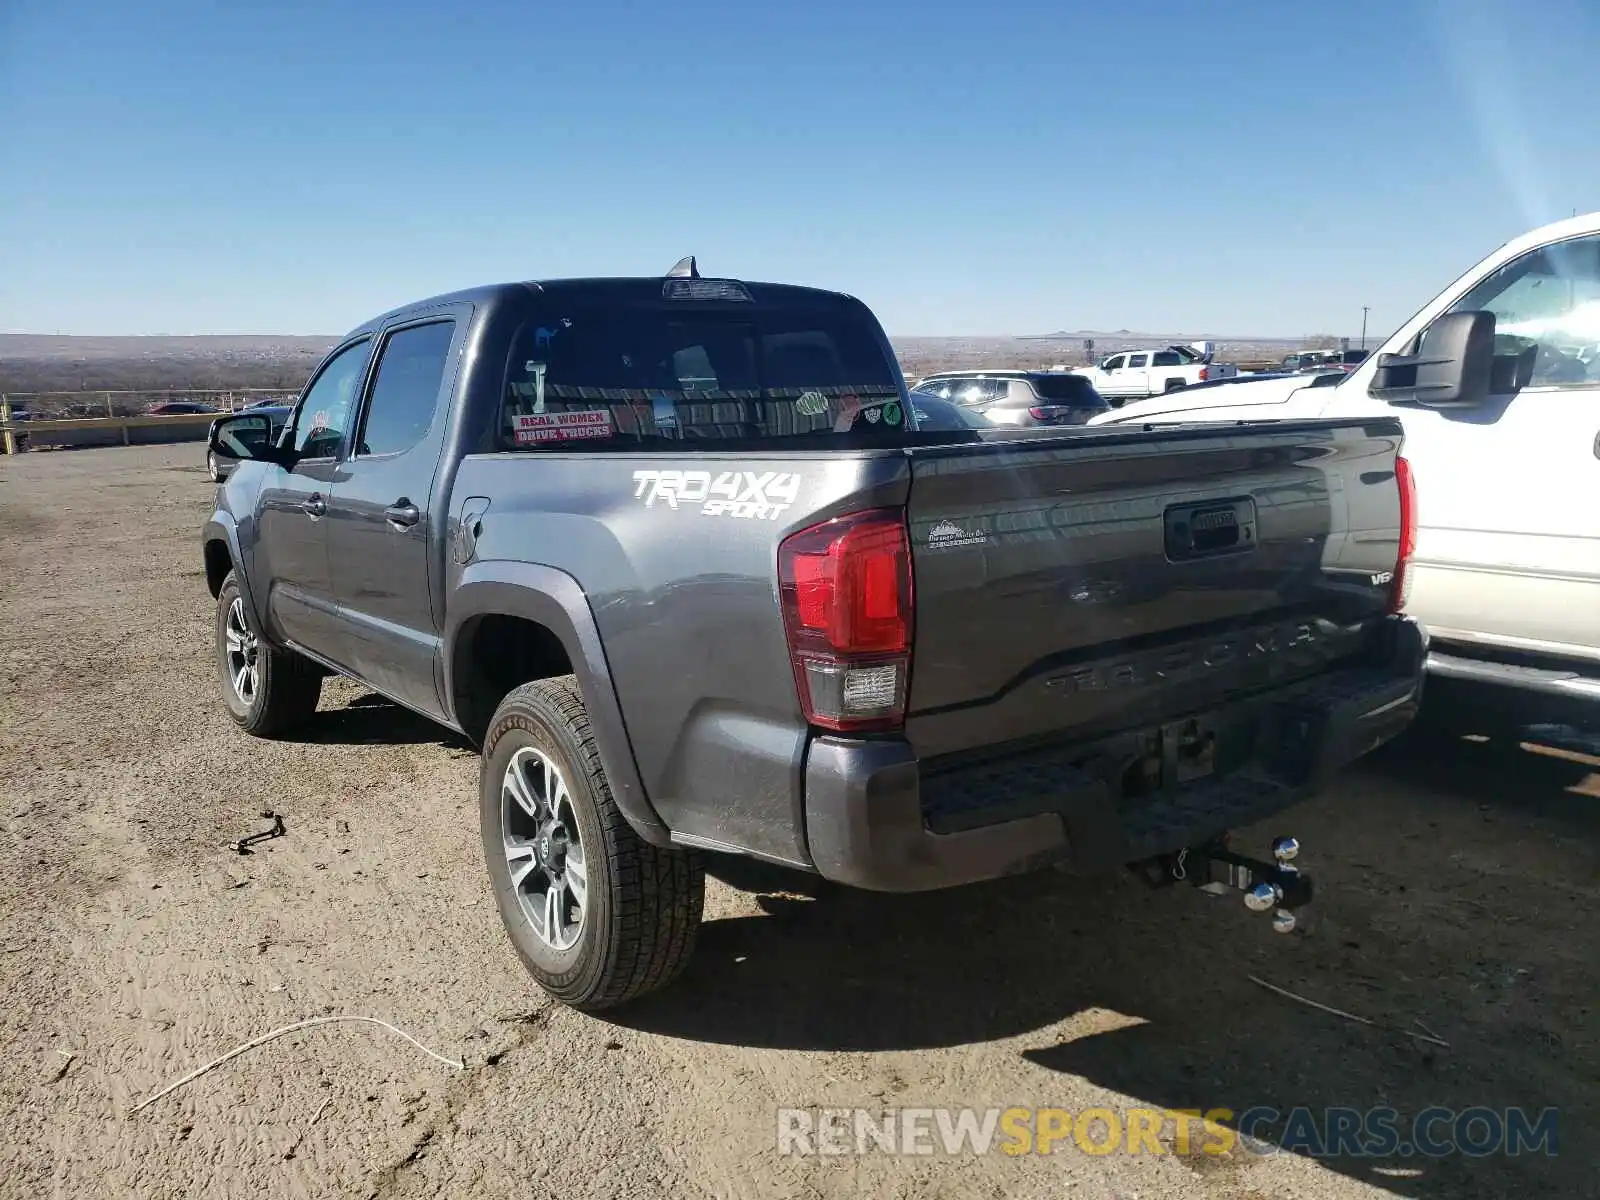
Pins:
x: 1262, y: 896
x: 1285, y: 849
x: 1283, y: 921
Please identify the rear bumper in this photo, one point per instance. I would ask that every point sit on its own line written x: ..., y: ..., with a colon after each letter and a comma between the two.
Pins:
x: 1568, y: 685
x: 876, y: 819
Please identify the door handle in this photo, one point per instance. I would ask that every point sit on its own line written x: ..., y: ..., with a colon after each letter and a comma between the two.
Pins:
x: 403, y: 513
x: 314, y: 505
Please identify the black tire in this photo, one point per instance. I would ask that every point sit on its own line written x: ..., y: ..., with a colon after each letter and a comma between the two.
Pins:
x: 287, y: 685
x: 644, y: 902
x: 1173, y: 385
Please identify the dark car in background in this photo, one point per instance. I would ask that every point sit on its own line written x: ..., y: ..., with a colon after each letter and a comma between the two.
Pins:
x: 246, y: 438
x: 1025, y: 398
x: 177, y: 408
x: 944, y: 417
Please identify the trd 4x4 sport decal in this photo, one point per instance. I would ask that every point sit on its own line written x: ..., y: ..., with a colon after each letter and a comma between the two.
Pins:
x: 752, y: 495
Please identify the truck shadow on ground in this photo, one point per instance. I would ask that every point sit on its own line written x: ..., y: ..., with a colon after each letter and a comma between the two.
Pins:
x: 374, y: 720
x: 1454, y: 878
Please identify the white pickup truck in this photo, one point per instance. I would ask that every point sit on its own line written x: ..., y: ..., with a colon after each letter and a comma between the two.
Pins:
x: 1497, y: 383
x: 1135, y: 374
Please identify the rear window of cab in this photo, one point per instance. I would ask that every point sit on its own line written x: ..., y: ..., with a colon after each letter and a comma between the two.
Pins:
x: 617, y: 378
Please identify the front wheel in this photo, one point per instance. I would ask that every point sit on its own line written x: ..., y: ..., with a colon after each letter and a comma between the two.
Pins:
x: 598, y: 915
x: 267, y: 689
x: 211, y: 467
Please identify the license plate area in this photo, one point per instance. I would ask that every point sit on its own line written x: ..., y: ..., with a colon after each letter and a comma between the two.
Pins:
x: 1193, y: 751
x: 1173, y: 754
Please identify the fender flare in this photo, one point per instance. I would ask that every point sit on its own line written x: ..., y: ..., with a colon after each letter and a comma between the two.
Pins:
x: 221, y: 528
x: 554, y: 599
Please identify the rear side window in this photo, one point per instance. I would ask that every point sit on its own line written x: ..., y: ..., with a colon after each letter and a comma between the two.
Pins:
x: 405, y: 389
x: 1068, y: 389
x: 1167, y: 358
x: 659, y: 377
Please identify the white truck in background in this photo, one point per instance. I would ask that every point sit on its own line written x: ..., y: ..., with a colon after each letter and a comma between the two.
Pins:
x: 1135, y: 374
x: 1497, y: 383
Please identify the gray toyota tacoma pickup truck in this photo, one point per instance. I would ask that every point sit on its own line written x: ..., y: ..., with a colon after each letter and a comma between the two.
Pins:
x: 678, y: 555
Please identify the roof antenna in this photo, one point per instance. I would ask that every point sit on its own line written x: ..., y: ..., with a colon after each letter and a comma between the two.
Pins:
x: 684, y: 269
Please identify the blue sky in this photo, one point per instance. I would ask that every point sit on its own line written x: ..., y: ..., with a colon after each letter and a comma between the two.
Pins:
x: 1222, y: 166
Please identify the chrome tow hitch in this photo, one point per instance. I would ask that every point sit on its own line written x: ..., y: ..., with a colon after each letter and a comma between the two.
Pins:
x: 1277, y: 886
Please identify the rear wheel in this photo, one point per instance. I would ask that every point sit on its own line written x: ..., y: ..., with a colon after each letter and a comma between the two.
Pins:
x: 211, y: 467
x: 1173, y: 385
x: 267, y: 689
x: 598, y: 915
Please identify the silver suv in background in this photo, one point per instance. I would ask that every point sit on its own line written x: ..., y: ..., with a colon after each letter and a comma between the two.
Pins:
x: 1019, y: 397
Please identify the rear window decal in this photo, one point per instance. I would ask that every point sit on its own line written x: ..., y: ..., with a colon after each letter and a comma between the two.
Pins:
x: 542, y: 336
x: 534, y: 428
x: 537, y: 370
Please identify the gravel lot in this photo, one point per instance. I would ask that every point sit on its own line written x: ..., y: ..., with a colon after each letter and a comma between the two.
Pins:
x: 1456, y: 878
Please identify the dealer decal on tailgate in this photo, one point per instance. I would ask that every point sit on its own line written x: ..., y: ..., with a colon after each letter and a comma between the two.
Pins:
x: 533, y: 428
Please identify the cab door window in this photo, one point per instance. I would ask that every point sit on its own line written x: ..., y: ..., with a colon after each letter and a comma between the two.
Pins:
x: 1546, y: 306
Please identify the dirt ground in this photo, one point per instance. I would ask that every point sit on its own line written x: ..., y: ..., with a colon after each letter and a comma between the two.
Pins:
x: 1455, y: 877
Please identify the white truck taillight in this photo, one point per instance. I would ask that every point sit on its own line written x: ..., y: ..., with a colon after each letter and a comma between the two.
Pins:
x: 845, y: 587
x: 1401, y: 586
x: 1205, y: 374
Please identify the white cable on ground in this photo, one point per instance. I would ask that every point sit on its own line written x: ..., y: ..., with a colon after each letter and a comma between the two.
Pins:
x: 1427, y: 1036
x: 458, y: 1064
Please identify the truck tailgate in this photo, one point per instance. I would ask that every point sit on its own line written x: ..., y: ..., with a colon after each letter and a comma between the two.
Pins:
x: 1114, y: 577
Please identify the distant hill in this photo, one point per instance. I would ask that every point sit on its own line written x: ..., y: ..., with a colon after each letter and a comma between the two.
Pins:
x: 47, y: 363
x: 41, y: 363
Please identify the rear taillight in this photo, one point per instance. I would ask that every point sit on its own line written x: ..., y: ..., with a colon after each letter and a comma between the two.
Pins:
x: 1048, y: 412
x: 1401, y: 586
x: 1205, y: 374
x: 845, y: 587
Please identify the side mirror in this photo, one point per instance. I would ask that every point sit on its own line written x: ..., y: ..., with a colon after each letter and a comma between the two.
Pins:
x: 1452, y: 368
x: 243, y: 436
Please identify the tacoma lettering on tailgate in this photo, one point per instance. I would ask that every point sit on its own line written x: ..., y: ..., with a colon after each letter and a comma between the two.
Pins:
x: 1191, y: 662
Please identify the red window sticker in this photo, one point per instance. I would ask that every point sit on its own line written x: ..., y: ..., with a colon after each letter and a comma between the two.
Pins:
x: 534, y: 428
